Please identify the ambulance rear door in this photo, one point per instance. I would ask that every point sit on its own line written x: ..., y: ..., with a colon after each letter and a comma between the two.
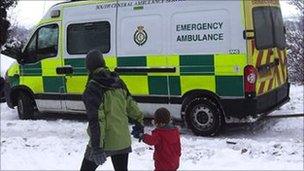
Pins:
x: 266, y: 43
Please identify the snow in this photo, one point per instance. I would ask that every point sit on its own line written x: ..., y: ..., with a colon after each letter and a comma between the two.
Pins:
x: 5, y: 63
x: 57, y: 142
x: 296, y: 105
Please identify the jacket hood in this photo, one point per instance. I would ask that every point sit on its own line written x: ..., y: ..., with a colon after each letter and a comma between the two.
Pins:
x: 106, y: 78
x: 94, y: 60
x: 169, y: 134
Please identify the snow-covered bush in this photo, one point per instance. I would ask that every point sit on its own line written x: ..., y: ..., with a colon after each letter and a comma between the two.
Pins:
x: 295, y: 44
x: 17, y: 37
x: 4, y: 24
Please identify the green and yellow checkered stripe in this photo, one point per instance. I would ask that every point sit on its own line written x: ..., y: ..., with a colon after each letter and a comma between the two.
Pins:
x: 220, y: 73
x: 40, y: 77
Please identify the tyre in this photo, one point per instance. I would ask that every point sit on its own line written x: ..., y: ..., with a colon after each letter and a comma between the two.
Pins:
x: 203, y: 117
x: 25, y: 106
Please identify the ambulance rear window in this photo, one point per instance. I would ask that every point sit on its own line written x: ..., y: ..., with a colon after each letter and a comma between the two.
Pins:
x: 263, y: 28
x: 268, y: 27
x: 81, y: 38
x: 279, y: 30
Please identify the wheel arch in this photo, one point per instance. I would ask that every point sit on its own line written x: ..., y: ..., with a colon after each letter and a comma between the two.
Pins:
x: 21, y: 88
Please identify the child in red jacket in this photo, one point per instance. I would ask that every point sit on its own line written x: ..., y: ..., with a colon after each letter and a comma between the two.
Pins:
x: 166, y: 140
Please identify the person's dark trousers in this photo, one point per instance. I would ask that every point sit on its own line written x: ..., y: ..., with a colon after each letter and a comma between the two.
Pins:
x: 88, y: 165
x: 120, y: 163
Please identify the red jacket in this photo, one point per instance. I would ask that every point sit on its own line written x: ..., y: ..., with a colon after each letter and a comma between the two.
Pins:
x: 167, y: 147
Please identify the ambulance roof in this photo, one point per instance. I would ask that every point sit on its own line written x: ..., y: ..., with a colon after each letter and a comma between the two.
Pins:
x: 62, y: 5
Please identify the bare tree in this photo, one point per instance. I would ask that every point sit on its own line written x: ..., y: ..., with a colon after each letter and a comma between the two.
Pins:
x: 299, y: 4
x: 17, y: 36
x: 4, y: 23
x: 295, y: 42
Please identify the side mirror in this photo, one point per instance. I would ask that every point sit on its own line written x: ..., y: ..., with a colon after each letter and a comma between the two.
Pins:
x: 15, y: 53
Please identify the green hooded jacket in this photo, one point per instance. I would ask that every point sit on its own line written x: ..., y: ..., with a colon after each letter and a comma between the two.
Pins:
x: 109, y: 106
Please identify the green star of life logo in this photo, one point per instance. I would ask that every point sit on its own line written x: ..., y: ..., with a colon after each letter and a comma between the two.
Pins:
x: 140, y: 36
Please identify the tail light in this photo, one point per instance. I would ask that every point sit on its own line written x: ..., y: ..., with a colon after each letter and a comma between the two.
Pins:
x: 250, y: 78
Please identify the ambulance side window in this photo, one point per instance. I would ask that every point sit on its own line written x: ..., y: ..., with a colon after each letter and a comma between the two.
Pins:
x: 83, y: 37
x: 31, y: 48
x: 43, y: 44
x: 47, y: 41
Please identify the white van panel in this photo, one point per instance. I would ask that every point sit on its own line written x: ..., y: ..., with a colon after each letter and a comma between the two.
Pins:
x: 151, y: 24
x: 149, y: 109
x: 197, y: 31
x: 183, y: 12
x: 44, y: 105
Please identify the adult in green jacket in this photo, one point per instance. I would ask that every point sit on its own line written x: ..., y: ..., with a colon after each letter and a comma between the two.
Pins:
x: 109, y: 106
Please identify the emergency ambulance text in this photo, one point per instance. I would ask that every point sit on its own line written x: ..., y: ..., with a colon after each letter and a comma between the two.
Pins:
x: 200, y: 37
x: 199, y: 26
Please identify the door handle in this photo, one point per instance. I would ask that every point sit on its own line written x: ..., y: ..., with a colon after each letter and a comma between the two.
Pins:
x: 265, y: 68
x: 68, y: 69
x: 247, y: 36
x: 277, y: 61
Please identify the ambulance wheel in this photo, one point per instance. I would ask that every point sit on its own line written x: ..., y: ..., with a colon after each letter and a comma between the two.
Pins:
x: 203, y: 117
x: 25, y: 106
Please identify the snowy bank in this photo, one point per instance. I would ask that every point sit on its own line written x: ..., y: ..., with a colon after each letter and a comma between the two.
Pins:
x: 5, y: 63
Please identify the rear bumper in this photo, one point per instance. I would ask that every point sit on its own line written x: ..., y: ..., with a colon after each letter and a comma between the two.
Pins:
x: 260, y: 105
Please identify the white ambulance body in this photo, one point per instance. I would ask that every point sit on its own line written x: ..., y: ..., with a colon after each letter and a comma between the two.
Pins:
x: 208, y: 62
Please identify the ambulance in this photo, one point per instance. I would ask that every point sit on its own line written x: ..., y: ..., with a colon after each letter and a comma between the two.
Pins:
x: 209, y: 62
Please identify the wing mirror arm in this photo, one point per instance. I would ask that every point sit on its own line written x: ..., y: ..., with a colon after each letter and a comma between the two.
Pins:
x: 20, y: 60
x: 14, y: 53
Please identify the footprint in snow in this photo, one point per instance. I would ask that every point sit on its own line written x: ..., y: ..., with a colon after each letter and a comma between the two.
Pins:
x: 141, y: 150
x: 11, y: 124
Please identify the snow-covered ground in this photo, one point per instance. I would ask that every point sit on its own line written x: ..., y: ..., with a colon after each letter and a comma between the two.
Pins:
x: 56, y: 142
x: 59, y: 144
